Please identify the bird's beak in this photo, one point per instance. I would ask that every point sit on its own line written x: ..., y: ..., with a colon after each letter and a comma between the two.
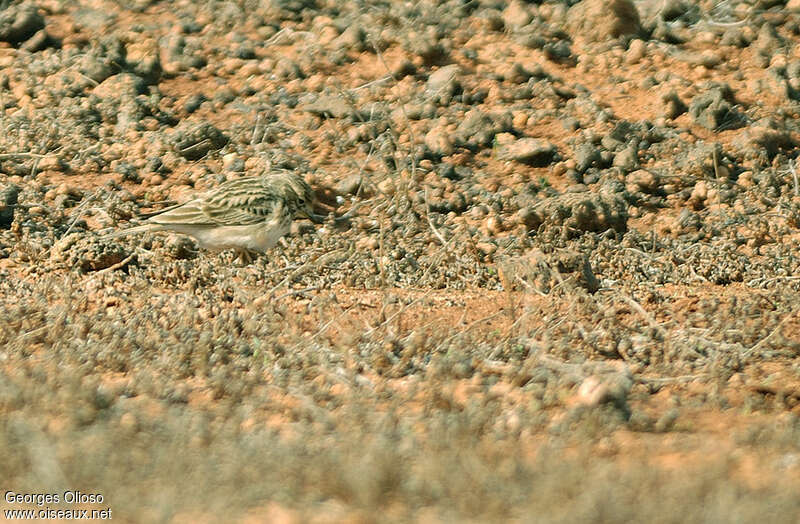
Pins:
x: 317, y: 219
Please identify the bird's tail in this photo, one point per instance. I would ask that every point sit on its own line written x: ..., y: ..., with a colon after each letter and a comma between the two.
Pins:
x: 131, y: 231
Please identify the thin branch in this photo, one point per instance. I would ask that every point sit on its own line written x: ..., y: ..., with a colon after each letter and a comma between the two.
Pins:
x: 80, y: 210
x: 430, y: 222
x: 122, y: 263
x: 295, y: 292
x: 763, y: 341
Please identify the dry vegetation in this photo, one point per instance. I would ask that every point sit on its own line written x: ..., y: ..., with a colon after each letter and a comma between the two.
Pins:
x: 563, y: 284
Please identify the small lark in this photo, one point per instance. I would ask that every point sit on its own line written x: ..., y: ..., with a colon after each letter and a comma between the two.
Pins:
x: 248, y: 214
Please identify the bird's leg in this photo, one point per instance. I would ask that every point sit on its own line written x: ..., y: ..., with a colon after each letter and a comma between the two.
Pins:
x: 245, y: 256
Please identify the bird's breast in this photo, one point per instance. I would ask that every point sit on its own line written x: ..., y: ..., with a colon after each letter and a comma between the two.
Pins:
x: 268, y: 234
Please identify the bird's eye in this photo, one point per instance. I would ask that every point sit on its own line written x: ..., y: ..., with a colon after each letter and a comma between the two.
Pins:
x: 302, y: 202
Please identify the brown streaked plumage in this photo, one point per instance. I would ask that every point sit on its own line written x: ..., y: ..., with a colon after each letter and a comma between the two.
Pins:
x: 248, y: 214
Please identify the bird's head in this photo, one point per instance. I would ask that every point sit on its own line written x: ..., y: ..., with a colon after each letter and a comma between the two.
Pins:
x: 300, y: 197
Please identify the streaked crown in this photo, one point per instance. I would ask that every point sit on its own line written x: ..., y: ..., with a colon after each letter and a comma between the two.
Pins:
x: 298, y: 195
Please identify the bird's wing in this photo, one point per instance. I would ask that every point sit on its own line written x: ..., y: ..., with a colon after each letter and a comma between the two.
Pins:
x: 239, y: 210
x: 244, y: 208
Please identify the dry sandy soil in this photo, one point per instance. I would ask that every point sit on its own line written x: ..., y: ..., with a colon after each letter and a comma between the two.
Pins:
x: 566, y: 287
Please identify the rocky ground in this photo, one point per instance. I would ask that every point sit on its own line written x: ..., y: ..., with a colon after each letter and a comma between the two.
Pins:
x: 566, y: 287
